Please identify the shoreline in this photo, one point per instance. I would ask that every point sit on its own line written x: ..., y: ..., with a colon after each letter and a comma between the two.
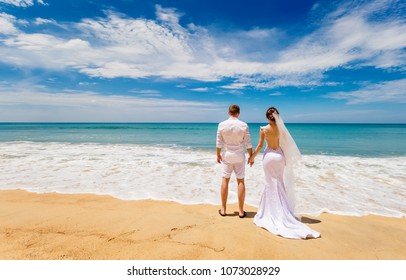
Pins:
x: 51, y: 226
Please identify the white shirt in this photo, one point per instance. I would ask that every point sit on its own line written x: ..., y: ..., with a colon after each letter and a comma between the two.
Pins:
x: 234, y: 134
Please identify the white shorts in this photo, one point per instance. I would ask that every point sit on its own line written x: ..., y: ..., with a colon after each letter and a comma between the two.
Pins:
x: 238, y: 168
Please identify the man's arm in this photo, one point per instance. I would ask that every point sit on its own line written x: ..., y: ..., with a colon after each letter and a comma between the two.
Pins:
x: 249, y: 150
x: 247, y: 138
x: 219, y: 144
x: 247, y: 141
x: 219, y: 159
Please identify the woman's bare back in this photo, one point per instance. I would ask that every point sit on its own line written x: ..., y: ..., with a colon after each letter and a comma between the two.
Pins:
x: 271, y: 133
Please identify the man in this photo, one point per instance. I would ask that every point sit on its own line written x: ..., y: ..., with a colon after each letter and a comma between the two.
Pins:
x: 233, y: 134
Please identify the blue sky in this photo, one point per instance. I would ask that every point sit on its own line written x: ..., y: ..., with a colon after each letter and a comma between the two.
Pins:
x: 187, y: 61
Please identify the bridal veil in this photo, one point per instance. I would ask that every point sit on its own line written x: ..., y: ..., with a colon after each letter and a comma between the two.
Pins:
x: 292, y: 158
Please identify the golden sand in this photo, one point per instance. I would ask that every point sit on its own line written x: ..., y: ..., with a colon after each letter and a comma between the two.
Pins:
x: 86, y: 226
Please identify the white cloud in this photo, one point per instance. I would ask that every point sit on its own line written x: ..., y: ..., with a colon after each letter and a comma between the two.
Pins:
x: 40, y: 50
x: 115, y: 69
x: 146, y: 92
x: 348, y: 37
x: 202, y: 89
x: 32, y: 41
x: 392, y: 91
x: 141, y: 48
x: 169, y: 15
x: 19, y: 3
x: 232, y: 91
x: 119, y: 46
x: 348, y: 40
x: 87, y: 84
x: 45, y: 21
x: 43, y: 104
x: 39, y: 21
x: 22, y: 3
x: 7, y: 24
x: 235, y: 86
x: 126, y: 47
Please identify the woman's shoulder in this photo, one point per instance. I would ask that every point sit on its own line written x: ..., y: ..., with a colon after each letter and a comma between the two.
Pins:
x: 263, y: 129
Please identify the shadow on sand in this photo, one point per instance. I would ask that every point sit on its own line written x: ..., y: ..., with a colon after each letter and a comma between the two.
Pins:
x: 248, y: 214
x: 307, y: 220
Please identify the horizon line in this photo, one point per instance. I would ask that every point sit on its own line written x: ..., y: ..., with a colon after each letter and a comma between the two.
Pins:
x: 180, y: 122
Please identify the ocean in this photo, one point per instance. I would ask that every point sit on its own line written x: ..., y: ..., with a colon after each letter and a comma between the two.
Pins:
x: 348, y: 169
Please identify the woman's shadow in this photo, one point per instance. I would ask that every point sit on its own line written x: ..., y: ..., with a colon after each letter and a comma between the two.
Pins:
x: 307, y: 220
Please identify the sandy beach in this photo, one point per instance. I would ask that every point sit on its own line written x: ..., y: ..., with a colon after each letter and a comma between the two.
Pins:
x: 79, y: 227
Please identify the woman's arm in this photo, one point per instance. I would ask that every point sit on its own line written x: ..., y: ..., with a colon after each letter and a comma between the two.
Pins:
x: 258, y: 148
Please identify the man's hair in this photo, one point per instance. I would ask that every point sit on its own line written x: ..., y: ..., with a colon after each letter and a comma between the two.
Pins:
x: 234, y: 109
x: 268, y: 112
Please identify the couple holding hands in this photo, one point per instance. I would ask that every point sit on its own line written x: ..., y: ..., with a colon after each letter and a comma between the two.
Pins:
x: 276, y: 208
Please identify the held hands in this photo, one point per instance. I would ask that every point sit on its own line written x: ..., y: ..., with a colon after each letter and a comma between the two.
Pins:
x: 250, y: 160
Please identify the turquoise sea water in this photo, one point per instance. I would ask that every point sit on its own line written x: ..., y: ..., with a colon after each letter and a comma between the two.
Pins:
x: 364, y: 140
x: 351, y: 169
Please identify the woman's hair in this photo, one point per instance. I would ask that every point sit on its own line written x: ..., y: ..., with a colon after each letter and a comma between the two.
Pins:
x: 269, y: 112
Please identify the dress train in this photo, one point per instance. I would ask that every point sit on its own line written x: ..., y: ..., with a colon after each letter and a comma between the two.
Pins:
x: 274, y: 213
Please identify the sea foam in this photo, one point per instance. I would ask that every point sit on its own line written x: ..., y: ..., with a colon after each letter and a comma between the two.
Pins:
x: 336, y: 184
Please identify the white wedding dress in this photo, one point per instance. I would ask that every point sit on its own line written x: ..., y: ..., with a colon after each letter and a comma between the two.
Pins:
x: 275, y: 211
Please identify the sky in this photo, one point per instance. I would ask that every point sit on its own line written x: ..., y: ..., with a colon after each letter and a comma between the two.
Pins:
x: 187, y: 61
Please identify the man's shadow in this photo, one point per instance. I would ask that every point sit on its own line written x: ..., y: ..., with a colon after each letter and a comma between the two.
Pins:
x: 248, y: 214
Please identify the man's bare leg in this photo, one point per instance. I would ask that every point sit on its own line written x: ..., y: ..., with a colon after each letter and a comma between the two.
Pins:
x: 224, y: 194
x: 241, y: 196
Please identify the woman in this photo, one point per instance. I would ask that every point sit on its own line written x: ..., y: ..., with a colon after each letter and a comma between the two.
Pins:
x: 276, y: 209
